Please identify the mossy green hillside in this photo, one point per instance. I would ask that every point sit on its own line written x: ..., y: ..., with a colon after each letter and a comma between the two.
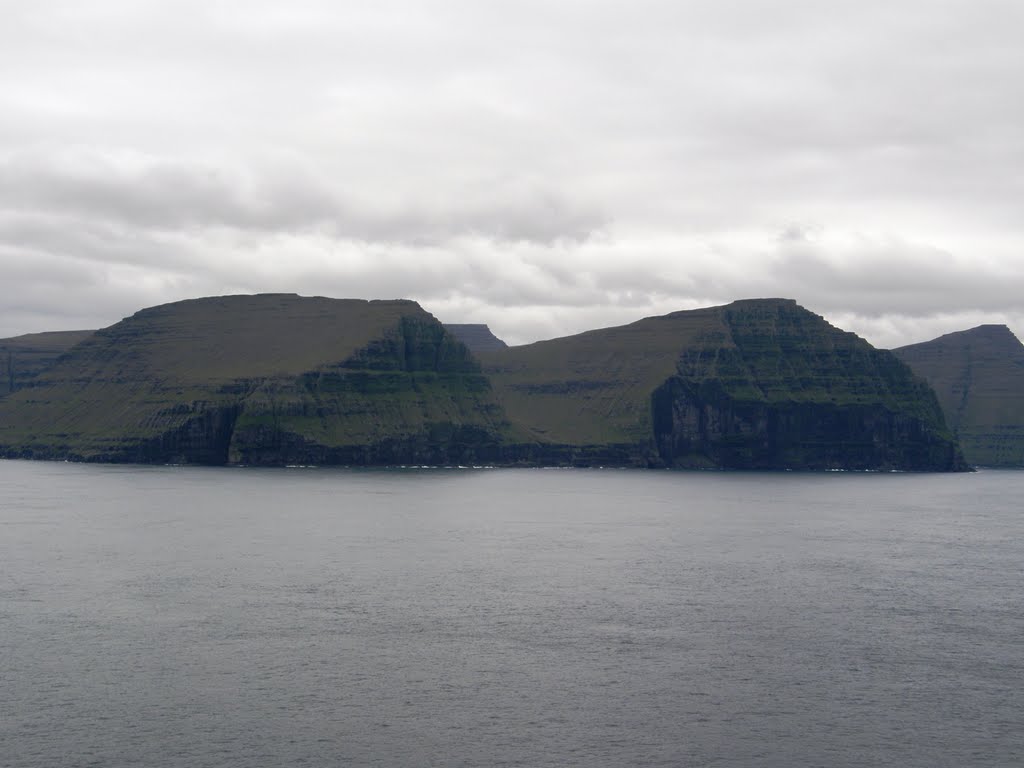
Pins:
x: 594, y: 387
x: 978, y: 375
x: 24, y: 357
x: 757, y: 383
x: 257, y: 379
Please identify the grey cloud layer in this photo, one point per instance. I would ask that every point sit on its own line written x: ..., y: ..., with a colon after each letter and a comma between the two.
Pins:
x: 539, y: 166
x: 166, y: 195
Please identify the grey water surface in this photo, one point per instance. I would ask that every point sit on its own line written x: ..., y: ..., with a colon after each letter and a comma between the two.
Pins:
x: 168, y: 616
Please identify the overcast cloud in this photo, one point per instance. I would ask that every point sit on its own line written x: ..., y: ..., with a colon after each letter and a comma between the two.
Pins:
x: 544, y: 167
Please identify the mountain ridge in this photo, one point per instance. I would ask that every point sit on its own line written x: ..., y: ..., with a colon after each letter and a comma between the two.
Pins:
x: 281, y: 379
x: 978, y: 377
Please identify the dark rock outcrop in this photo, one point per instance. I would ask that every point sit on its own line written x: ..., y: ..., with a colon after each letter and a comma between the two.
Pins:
x: 701, y: 427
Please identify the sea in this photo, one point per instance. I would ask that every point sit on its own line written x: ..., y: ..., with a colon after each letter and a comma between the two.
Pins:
x: 183, y: 616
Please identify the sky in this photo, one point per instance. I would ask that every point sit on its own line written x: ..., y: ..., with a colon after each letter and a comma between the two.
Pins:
x: 543, y: 167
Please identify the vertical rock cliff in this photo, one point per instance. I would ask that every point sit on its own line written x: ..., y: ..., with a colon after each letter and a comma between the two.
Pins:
x: 778, y: 387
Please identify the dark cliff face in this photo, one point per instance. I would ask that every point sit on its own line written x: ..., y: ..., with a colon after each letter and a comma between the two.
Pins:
x: 978, y: 376
x: 203, y: 438
x: 779, y: 388
x: 698, y: 426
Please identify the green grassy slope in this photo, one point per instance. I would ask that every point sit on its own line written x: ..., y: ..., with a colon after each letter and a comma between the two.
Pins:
x: 257, y: 379
x: 978, y: 375
x: 594, y: 387
x: 24, y: 357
